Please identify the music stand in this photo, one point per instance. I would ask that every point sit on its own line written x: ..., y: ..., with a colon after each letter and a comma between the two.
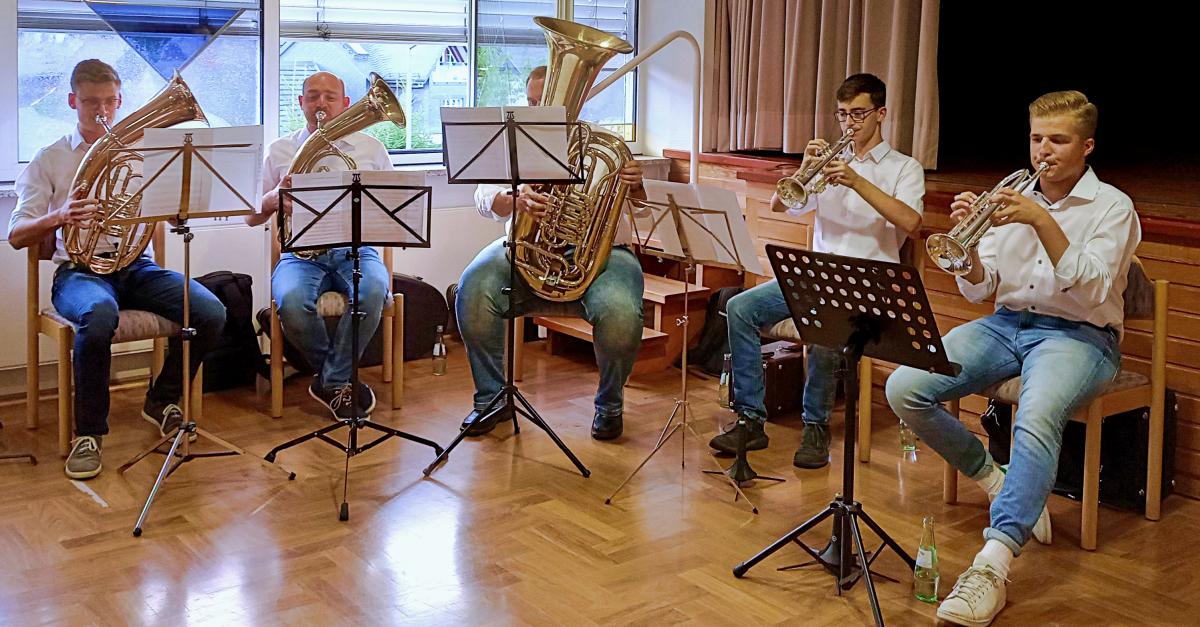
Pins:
x: 686, y: 224
x: 857, y: 306
x: 192, y: 179
x: 315, y: 236
x: 497, y: 160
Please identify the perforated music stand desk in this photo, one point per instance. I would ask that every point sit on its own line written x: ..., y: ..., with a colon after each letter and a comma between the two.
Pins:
x: 858, y: 307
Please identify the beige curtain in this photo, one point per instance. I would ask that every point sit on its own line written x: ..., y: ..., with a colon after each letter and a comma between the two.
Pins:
x: 778, y: 63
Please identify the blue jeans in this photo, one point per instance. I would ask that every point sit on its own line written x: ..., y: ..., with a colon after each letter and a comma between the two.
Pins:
x: 1062, y: 365
x: 750, y: 311
x: 612, y: 304
x: 298, y: 283
x: 93, y: 303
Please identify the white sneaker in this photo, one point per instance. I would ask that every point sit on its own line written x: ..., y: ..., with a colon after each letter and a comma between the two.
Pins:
x: 1042, y: 531
x: 978, y: 596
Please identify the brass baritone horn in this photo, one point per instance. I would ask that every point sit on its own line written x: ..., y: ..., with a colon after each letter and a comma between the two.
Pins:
x: 561, y: 254
x: 952, y: 251
x: 794, y: 190
x: 111, y: 174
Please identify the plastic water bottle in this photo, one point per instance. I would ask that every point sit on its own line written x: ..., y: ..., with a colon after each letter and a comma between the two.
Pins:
x: 439, y: 354
x: 925, y: 575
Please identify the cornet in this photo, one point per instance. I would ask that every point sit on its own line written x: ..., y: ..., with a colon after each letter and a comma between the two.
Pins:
x: 794, y: 190
x: 952, y: 251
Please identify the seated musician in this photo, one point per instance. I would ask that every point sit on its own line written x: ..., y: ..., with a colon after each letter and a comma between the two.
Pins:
x: 612, y: 304
x: 300, y: 278
x: 872, y: 204
x: 93, y: 302
x: 1056, y: 261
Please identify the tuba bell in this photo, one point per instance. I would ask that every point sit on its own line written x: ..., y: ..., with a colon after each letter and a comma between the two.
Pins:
x: 561, y: 254
x: 379, y: 104
x: 952, y: 251
x: 111, y: 174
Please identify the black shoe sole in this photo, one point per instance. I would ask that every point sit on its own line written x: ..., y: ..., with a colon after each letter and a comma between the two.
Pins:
x: 606, y: 435
x: 750, y: 446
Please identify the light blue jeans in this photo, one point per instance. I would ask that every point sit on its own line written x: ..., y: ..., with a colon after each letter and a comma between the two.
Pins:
x: 747, y: 313
x: 612, y: 304
x: 1062, y: 365
x: 297, y: 284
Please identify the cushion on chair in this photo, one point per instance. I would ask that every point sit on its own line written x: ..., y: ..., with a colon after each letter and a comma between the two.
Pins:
x: 783, y: 330
x: 134, y: 325
x: 334, y: 304
x: 1010, y: 391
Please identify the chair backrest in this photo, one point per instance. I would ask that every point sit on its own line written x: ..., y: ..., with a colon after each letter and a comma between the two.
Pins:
x: 1139, y: 293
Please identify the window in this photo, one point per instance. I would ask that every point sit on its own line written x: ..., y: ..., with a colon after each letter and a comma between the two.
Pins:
x: 419, y: 48
x: 209, y: 42
x: 614, y: 107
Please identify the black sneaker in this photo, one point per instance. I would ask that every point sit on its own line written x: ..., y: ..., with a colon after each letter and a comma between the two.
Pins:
x: 166, y: 416
x: 476, y: 427
x: 756, y: 436
x: 338, y: 399
x: 607, y: 427
x: 814, y: 447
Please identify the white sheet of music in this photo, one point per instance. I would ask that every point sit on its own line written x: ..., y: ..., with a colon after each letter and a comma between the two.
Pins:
x: 381, y: 208
x: 241, y: 168
x: 718, y: 235
x: 482, y: 151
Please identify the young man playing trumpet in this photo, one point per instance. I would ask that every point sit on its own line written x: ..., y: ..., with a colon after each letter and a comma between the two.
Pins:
x: 1056, y: 260
x: 299, y: 280
x: 872, y: 204
x: 93, y: 302
x: 612, y: 303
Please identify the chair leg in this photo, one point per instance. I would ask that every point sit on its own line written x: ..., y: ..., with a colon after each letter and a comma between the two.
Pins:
x: 276, y: 363
x: 864, y: 410
x: 1091, y: 477
x: 66, y: 408
x: 32, y: 379
x: 519, y: 350
x: 387, y: 326
x: 397, y: 354
x: 949, y: 472
x: 158, y: 357
x: 1154, y: 459
x: 198, y: 394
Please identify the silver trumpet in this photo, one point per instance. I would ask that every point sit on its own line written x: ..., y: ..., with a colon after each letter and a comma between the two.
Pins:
x: 794, y: 190
x: 952, y: 251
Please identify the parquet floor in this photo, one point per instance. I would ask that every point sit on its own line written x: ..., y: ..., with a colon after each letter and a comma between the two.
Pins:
x: 507, y: 533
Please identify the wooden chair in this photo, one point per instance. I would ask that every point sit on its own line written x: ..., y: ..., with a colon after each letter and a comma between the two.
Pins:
x: 334, y: 304
x: 134, y: 325
x: 1144, y: 300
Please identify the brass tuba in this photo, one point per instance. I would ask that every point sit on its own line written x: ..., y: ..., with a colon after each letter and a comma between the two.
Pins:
x: 952, y: 251
x: 110, y: 173
x: 562, y: 253
x: 379, y: 104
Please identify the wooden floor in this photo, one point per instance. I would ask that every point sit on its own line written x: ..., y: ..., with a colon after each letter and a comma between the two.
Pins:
x: 508, y: 533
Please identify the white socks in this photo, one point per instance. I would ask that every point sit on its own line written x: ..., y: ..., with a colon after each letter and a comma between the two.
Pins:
x: 991, y: 481
x: 996, y: 555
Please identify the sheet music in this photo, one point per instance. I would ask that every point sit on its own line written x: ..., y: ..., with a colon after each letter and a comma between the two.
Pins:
x: 381, y: 221
x: 718, y: 235
x: 240, y: 167
x: 481, y: 151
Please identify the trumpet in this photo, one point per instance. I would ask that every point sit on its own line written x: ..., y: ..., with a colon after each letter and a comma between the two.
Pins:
x: 952, y: 251
x: 794, y: 190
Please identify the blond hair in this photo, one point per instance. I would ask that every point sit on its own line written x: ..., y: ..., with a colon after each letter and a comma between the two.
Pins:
x: 1072, y: 103
x: 93, y: 71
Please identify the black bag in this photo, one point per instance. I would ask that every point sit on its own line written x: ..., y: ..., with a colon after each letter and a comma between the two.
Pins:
x: 237, y: 358
x: 783, y: 378
x: 708, y: 354
x: 1123, y: 452
x: 424, y: 310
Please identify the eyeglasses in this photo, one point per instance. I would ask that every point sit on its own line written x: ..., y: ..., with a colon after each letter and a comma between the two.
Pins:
x: 858, y: 115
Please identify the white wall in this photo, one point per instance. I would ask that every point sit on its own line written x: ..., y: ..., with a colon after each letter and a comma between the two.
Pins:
x: 665, y: 81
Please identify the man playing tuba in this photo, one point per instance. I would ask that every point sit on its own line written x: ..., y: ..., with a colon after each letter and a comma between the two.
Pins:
x: 92, y: 302
x: 299, y: 280
x: 612, y: 303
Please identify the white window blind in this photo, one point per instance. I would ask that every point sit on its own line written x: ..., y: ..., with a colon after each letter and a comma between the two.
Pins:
x: 375, y: 20
x: 510, y: 22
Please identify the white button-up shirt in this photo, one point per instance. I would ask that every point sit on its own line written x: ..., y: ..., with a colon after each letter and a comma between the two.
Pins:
x: 367, y: 152
x: 1088, y: 283
x: 46, y: 184
x: 847, y: 225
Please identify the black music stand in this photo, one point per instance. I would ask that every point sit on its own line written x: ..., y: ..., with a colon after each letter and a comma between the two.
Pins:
x: 194, y: 168
x: 355, y: 191
x: 857, y: 306
x: 509, y: 401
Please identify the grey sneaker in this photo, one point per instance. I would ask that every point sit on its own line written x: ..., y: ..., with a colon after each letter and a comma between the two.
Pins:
x: 166, y: 416
x: 755, y: 434
x: 84, y: 460
x: 339, y: 399
x: 814, y: 447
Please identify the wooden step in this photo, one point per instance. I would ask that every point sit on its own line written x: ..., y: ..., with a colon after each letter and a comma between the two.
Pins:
x: 652, y: 355
x: 661, y: 290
